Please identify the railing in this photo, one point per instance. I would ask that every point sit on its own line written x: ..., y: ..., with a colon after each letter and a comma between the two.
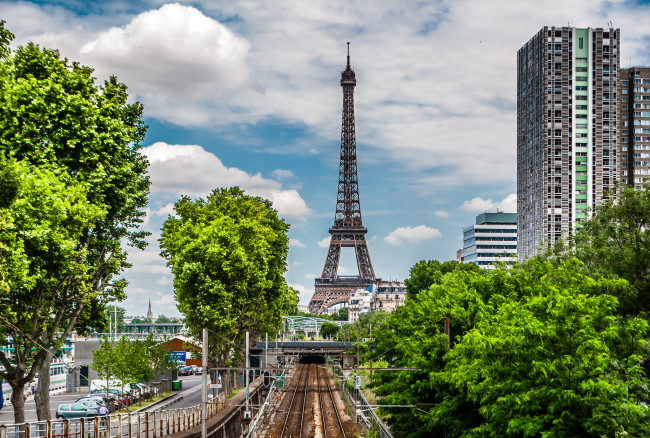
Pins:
x: 155, y: 424
x: 364, y: 411
x: 261, y: 418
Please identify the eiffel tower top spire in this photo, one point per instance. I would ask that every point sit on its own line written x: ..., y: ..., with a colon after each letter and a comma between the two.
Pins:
x: 348, y: 77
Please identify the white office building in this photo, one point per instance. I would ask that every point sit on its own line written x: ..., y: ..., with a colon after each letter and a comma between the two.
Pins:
x: 492, y: 239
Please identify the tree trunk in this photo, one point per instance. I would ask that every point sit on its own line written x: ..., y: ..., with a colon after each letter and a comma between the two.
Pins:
x: 18, y: 402
x: 42, y: 396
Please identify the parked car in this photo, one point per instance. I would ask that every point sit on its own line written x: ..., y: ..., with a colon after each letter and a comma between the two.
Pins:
x: 142, y: 389
x: 185, y: 371
x: 194, y: 368
x: 198, y: 371
x: 74, y: 410
x: 100, y: 398
x: 91, y: 403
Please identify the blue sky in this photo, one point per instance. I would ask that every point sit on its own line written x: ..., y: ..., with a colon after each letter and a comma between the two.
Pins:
x: 247, y: 93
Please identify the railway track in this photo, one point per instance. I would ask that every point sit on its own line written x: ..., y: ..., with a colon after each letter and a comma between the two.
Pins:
x: 311, y: 410
x: 293, y: 423
x: 332, y: 425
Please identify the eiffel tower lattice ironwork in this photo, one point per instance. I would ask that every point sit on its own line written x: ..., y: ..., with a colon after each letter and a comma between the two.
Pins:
x: 348, y: 229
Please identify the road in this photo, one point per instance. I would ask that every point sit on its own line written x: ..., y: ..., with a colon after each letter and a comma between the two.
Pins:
x: 191, y: 393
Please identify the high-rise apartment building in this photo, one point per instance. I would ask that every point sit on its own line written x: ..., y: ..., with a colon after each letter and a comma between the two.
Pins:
x: 566, y: 131
x: 492, y: 239
x: 634, y: 125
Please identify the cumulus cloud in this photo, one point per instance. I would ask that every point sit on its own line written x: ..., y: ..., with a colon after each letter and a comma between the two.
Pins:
x: 441, y: 213
x: 480, y: 205
x: 411, y: 234
x: 191, y: 170
x: 296, y: 243
x: 304, y: 293
x: 324, y: 243
x: 176, y: 60
x: 282, y: 174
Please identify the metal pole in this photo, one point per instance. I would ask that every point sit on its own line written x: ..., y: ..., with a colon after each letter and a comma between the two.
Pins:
x: 266, y: 352
x: 204, y: 384
x: 115, y: 313
x: 370, y: 350
x: 247, y: 377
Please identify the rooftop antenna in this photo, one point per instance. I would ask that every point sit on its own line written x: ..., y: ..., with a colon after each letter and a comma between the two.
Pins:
x: 348, y: 54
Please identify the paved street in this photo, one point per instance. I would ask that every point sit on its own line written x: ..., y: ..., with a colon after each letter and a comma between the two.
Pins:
x: 191, y: 396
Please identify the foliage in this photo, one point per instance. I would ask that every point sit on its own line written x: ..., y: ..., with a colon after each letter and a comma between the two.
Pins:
x: 427, y: 272
x: 615, y: 242
x: 114, y: 312
x: 342, y: 314
x: 79, y: 143
x: 228, y: 256
x: 130, y: 361
x: 534, y: 351
x: 162, y: 319
x: 328, y: 329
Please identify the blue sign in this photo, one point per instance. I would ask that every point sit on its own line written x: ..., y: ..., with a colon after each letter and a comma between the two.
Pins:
x: 178, y: 356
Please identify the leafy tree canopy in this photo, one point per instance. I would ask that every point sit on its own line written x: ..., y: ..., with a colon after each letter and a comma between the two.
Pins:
x: 427, y: 272
x: 228, y: 256
x: 615, y: 242
x: 73, y: 189
x: 328, y: 329
x: 534, y: 351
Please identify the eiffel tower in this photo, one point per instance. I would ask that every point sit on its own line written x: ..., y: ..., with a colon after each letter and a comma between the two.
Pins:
x: 348, y: 230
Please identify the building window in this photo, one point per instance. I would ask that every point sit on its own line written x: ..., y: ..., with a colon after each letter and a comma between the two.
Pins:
x: 581, y: 44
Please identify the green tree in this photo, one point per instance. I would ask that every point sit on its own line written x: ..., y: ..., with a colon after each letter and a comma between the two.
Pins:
x: 615, y: 242
x: 116, y: 313
x: 533, y: 351
x: 54, y: 118
x: 162, y: 319
x: 328, y: 329
x: 427, y: 272
x: 104, y: 362
x: 228, y: 256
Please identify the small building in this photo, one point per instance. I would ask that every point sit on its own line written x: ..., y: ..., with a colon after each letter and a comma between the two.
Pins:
x: 388, y: 295
x: 360, y: 302
x: 492, y: 239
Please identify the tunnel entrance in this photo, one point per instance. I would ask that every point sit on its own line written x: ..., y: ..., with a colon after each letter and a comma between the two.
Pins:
x: 312, y: 358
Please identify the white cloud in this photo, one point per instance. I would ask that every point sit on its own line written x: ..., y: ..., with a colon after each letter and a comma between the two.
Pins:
x: 191, y: 170
x: 282, y: 174
x: 480, y: 205
x: 176, y: 60
x: 441, y: 213
x: 325, y: 243
x: 304, y: 293
x: 411, y: 234
x: 296, y: 243
x: 166, y: 210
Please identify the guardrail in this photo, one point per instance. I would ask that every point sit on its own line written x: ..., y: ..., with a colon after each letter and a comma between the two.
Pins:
x: 155, y: 424
x: 364, y: 411
x: 261, y: 418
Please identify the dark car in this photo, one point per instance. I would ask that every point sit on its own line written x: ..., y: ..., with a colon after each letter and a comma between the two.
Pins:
x: 185, y: 371
x: 74, y: 410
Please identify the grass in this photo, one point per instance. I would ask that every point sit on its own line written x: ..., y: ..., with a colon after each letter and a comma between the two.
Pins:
x: 145, y: 403
x: 234, y: 391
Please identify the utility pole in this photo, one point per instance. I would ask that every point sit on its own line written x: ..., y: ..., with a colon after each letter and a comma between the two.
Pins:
x: 247, y: 412
x: 266, y: 352
x: 370, y: 351
x: 204, y: 384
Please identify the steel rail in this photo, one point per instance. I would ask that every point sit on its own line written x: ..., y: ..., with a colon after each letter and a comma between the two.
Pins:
x: 336, y: 411
x: 293, y: 398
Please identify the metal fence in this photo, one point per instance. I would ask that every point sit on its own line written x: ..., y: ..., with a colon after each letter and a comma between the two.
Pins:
x: 155, y: 424
x: 364, y: 412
